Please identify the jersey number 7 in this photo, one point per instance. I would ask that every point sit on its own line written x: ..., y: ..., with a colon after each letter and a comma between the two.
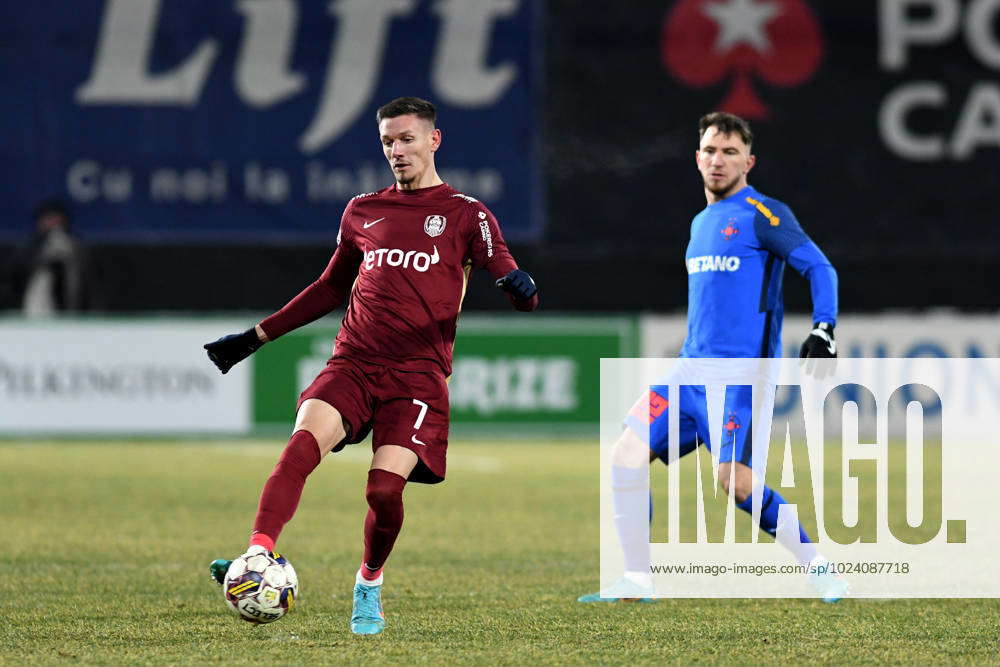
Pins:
x: 420, y: 420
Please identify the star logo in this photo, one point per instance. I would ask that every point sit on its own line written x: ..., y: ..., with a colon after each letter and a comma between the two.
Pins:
x: 704, y: 42
x: 741, y: 22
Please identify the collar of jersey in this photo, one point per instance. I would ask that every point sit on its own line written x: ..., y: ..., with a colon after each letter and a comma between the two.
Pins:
x: 420, y: 191
x: 736, y: 196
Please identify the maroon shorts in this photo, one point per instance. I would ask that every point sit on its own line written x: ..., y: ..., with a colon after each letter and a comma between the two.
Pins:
x: 404, y: 408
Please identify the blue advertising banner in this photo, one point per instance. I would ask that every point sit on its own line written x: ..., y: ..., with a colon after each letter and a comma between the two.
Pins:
x: 254, y: 120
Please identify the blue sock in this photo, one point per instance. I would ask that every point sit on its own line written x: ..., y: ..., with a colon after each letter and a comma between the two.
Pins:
x: 790, y: 534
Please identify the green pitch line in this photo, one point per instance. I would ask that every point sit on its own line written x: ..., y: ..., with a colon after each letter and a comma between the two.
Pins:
x: 106, y: 549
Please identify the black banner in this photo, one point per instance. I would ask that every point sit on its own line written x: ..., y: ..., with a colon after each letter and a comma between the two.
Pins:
x: 877, y: 122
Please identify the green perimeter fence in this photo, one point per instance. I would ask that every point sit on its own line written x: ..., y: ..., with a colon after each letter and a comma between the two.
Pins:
x: 511, y: 375
x: 149, y: 376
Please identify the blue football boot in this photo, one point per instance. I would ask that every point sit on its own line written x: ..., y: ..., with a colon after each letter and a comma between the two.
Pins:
x: 623, y: 590
x: 367, y: 617
x: 830, y: 585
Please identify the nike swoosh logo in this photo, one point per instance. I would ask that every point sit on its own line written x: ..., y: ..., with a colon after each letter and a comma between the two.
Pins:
x: 373, y: 222
x: 414, y: 440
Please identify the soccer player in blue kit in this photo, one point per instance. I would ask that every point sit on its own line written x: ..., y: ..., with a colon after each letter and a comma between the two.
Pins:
x: 735, y: 259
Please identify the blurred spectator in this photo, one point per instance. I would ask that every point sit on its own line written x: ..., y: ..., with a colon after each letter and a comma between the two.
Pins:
x: 53, y: 266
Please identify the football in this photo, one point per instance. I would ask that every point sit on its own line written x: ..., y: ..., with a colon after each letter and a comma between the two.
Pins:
x: 261, y: 587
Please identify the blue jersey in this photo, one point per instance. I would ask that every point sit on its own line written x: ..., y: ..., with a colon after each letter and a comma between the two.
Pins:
x: 736, y: 261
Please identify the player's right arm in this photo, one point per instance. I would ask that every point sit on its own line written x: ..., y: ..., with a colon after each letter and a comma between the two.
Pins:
x: 321, y: 297
x: 324, y: 295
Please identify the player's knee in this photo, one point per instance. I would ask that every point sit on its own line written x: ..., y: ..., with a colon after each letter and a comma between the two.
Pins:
x: 736, y: 481
x: 327, y: 435
x: 379, y: 496
x: 322, y: 421
x: 740, y: 494
x: 724, y: 481
x: 630, y: 451
x: 301, y: 455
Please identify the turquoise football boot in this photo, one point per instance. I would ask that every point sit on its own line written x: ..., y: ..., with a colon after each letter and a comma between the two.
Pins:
x: 623, y: 590
x: 367, y: 617
x: 831, y: 586
x: 218, y: 568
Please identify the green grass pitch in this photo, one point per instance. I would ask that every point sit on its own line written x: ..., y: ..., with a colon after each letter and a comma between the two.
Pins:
x: 106, y: 548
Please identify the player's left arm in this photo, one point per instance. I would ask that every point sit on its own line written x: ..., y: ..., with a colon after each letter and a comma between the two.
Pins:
x: 810, y: 261
x: 489, y: 251
x: 787, y: 240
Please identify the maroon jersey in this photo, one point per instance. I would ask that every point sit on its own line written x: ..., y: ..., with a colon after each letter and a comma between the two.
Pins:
x: 404, y: 259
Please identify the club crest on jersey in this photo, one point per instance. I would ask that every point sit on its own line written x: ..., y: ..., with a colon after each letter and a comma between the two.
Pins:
x: 732, y: 425
x: 434, y: 225
x: 730, y: 230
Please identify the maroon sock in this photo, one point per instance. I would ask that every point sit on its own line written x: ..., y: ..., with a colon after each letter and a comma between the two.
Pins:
x: 385, y: 517
x: 283, y: 488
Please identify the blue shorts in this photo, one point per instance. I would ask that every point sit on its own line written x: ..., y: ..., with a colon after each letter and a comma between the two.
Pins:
x: 736, y: 441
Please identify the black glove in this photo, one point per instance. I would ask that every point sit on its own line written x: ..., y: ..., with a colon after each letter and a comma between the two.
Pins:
x: 229, y: 350
x: 820, y: 343
x: 518, y: 284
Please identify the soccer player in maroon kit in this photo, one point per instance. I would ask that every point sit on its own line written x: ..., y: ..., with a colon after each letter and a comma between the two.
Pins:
x: 402, y: 264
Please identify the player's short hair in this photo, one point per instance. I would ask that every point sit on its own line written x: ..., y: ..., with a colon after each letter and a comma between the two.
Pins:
x: 52, y: 207
x: 402, y: 106
x: 726, y: 123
